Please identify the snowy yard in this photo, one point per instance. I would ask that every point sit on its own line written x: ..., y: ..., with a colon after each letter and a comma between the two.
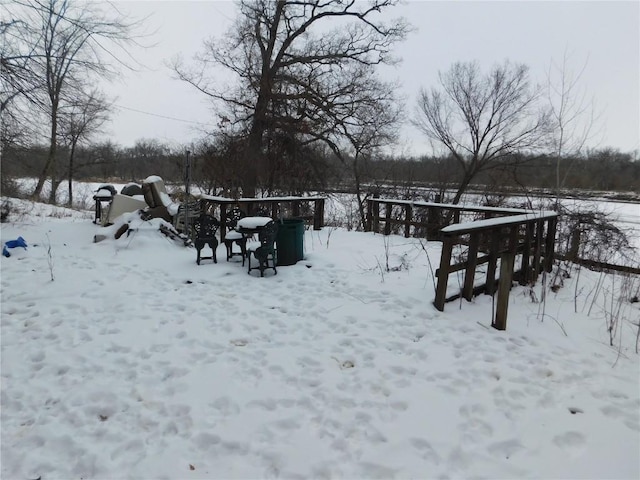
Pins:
x: 134, y: 362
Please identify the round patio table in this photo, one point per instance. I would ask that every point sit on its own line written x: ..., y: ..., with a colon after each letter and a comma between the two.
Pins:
x: 249, y: 226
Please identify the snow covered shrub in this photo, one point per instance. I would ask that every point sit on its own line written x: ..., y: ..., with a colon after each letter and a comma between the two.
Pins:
x: 9, y: 187
x: 592, y: 234
x: 342, y: 211
x: 5, y: 210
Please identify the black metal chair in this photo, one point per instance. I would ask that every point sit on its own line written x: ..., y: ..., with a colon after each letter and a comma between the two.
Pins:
x: 233, y: 236
x: 264, y: 251
x: 205, y: 229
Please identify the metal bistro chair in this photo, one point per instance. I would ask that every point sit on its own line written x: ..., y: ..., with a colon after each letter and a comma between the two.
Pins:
x: 264, y: 251
x: 205, y: 228
x: 233, y: 236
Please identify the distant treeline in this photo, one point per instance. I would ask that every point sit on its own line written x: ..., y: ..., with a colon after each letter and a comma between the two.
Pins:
x: 607, y: 170
x: 604, y: 169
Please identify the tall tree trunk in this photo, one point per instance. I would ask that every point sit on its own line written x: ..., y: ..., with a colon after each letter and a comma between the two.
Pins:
x: 464, y: 183
x: 252, y: 157
x: 70, y: 175
x: 55, y: 183
x: 358, y: 188
x: 51, y: 157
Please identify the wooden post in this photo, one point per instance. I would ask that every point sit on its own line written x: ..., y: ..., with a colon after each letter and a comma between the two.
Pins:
x: 295, y: 208
x: 494, y: 243
x: 470, y: 271
x: 274, y: 210
x: 408, y: 218
x: 318, y: 214
x: 537, y: 250
x: 513, y: 239
x: 443, y: 273
x: 432, y: 223
x: 549, y: 250
x: 574, y: 245
x: 387, y: 218
x: 525, y: 274
x: 506, y: 273
x: 369, y: 221
x: 376, y: 216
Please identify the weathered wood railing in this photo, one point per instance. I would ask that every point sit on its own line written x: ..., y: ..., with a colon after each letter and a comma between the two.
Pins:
x: 424, y: 219
x: 492, y: 236
x: 530, y: 235
x: 311, y: 209
x: 600, y: 266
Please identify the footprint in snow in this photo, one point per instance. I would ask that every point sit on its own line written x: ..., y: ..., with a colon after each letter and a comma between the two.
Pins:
x: 570, y: 441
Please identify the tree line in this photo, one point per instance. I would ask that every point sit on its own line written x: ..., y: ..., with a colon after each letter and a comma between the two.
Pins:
x: 53, y: 54
x: 305, y: 110
x: 292, y: 172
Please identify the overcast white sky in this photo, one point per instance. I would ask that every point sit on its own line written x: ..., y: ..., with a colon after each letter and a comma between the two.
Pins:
x: 605, y: 35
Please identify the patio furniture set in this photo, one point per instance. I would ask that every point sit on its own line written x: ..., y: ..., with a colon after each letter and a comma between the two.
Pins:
x: 246, y: 232
x: 242, y: 234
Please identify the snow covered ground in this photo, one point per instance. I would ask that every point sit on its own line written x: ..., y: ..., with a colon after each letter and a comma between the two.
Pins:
x: 134, y: 362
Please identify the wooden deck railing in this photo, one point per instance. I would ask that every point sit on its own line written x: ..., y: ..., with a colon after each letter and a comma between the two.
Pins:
x: 495, y: 236
x: 311, y: 209
x: 530, y: 236
x: 424, y: 219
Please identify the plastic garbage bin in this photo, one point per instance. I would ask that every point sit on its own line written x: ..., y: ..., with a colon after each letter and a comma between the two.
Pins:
x: 290, y: 241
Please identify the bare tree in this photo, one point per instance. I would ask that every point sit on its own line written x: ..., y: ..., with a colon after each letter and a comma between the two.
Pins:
x: 18, y: 85
x: 65, y: 44
x: 482, y: 119
x: 79, y: 121
x: 16, y: 52
x: 573, y: 115
x: 371, y: 125
x: 293, y: 62
x: 214, y: 162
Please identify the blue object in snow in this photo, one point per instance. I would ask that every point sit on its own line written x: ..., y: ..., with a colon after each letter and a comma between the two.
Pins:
x: 19, y: 242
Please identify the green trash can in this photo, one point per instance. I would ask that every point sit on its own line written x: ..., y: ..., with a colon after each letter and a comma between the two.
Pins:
x: 290, y: 241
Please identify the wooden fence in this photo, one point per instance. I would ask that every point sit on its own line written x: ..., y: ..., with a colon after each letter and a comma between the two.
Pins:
x: 530, y: 236
x: 495, y: 236
x: 311, y: 209
x: 424, y: 219
x: 599, y: 266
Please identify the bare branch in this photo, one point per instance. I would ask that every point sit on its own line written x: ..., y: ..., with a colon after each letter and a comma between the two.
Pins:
x: 480, y: 119
x: 300, y: 66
